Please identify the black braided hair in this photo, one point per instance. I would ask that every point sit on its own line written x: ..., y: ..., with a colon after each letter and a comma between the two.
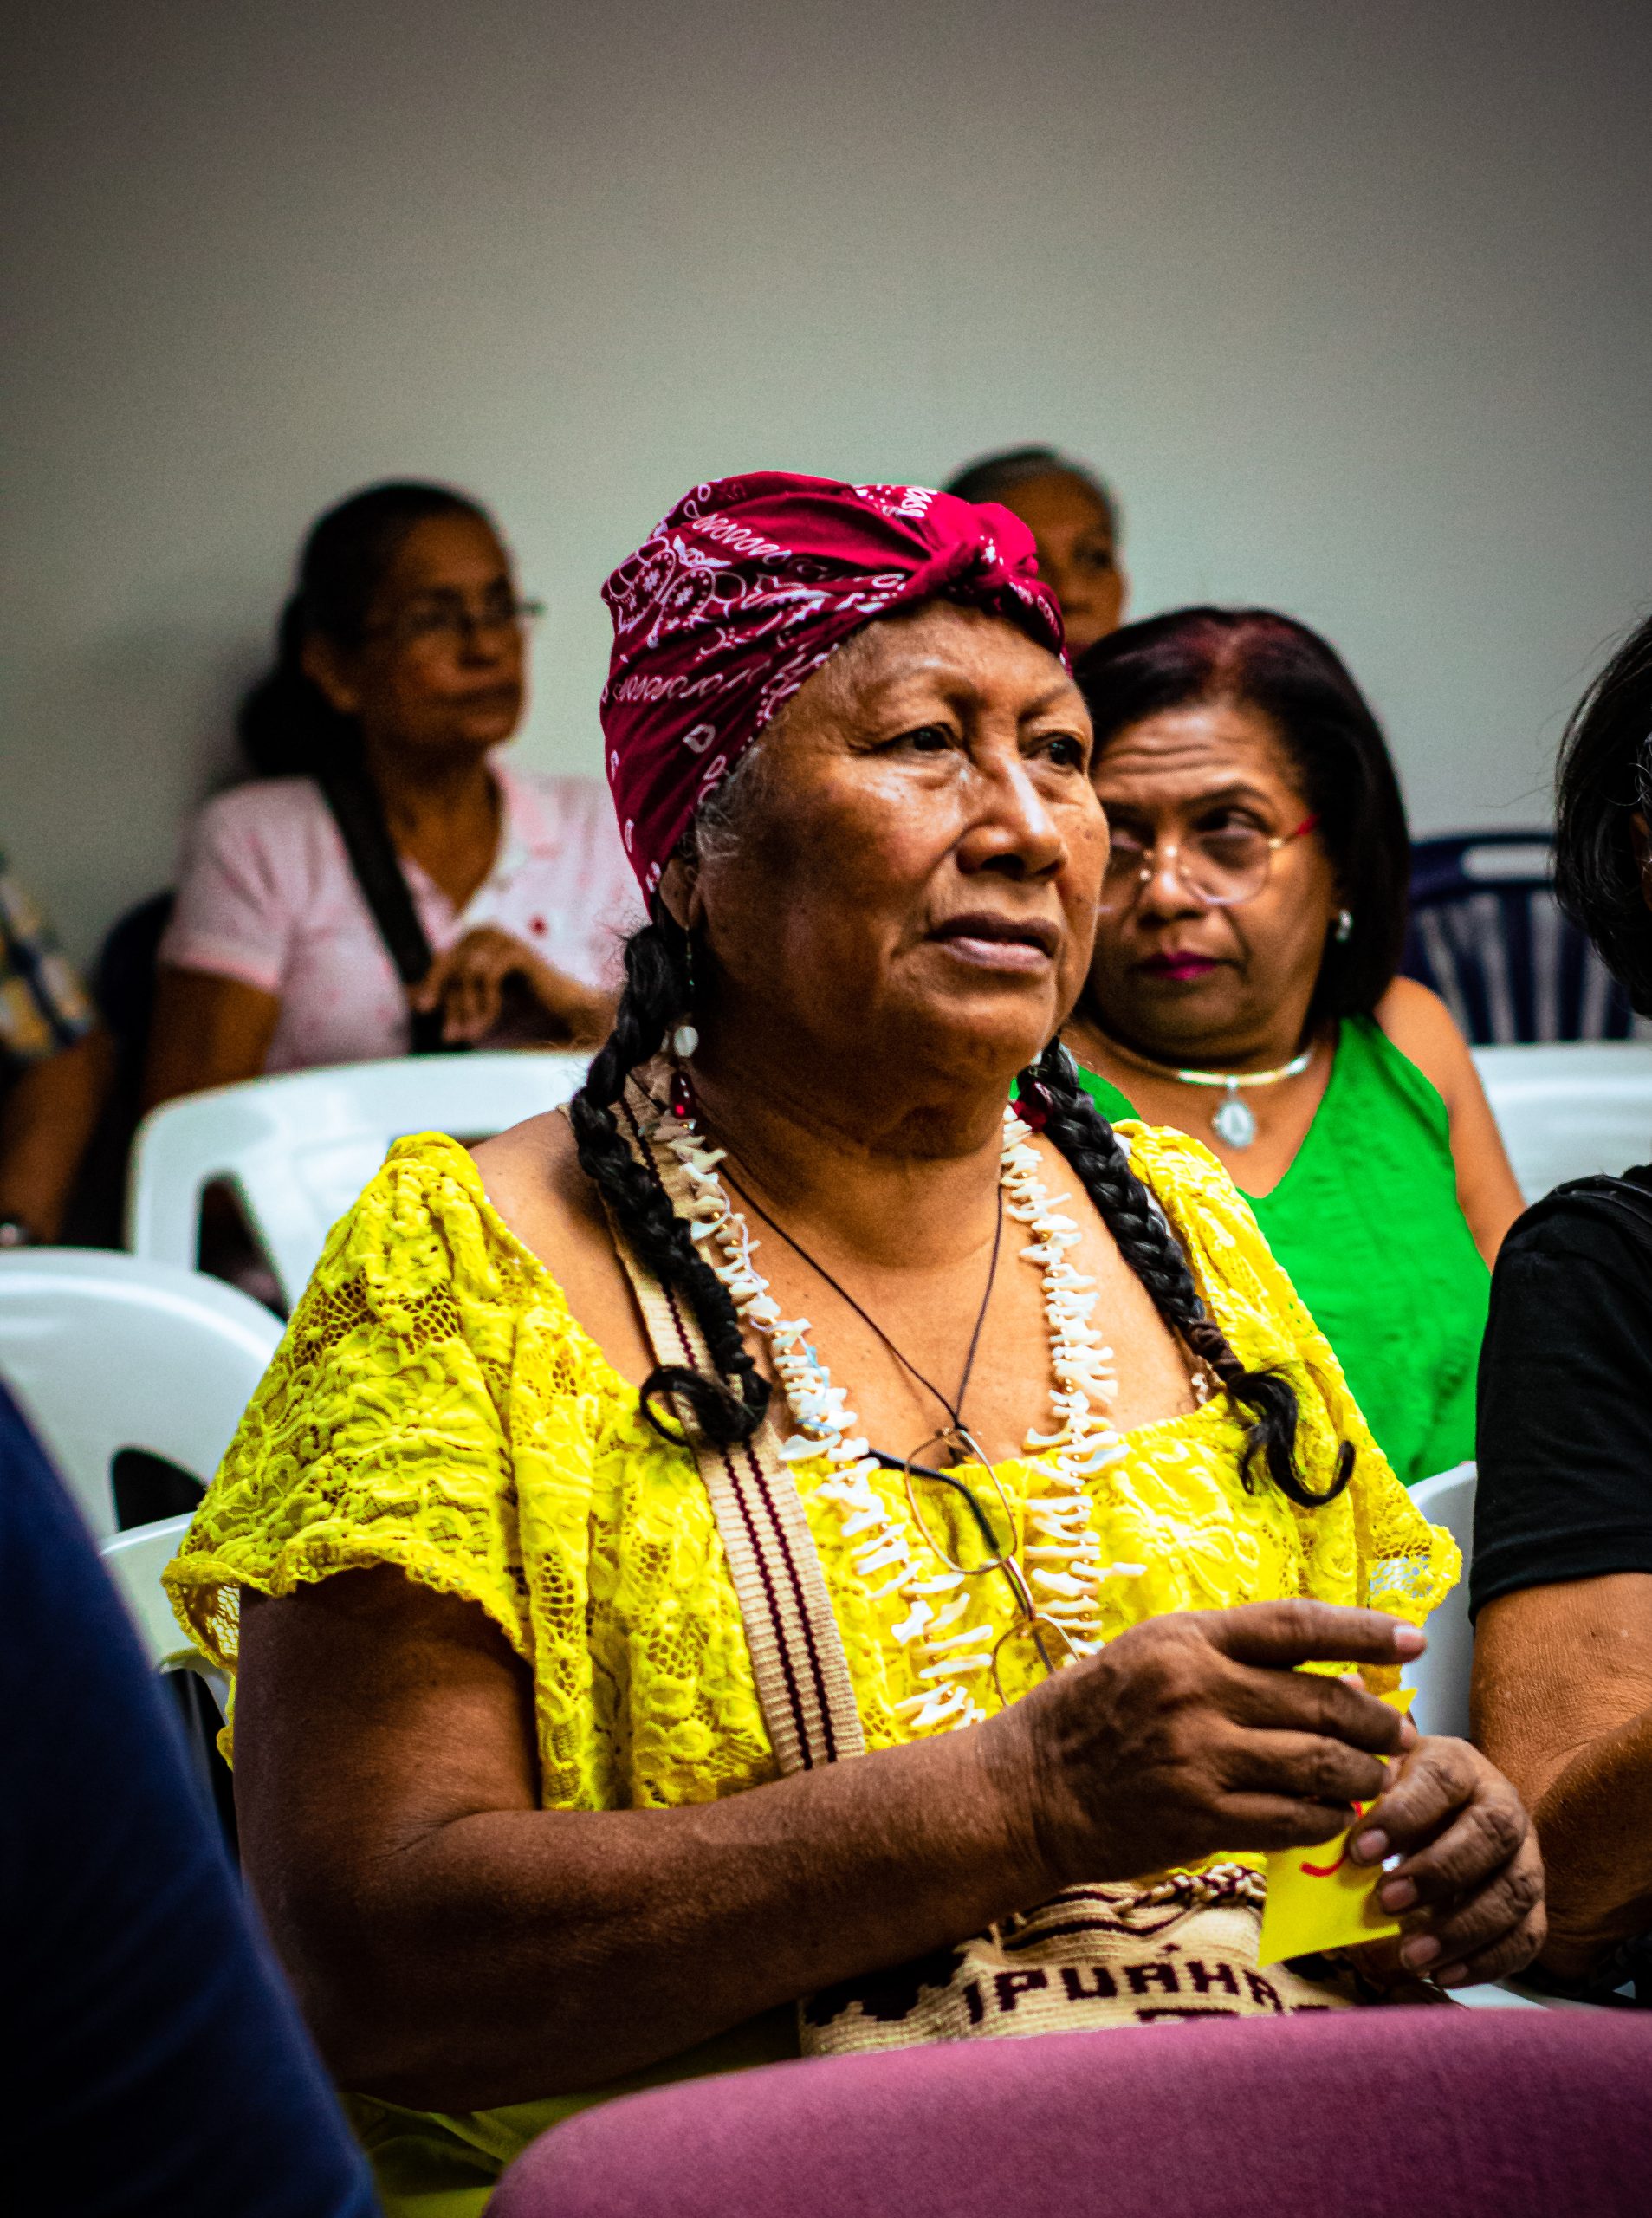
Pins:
x: 729, y: 1407
x: 1085, y: 1138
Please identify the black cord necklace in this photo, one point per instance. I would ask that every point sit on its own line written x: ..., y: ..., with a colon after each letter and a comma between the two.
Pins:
x: 954, y: 1408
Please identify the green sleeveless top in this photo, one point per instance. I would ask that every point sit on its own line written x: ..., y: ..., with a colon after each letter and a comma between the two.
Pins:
x: 1366, y: 1221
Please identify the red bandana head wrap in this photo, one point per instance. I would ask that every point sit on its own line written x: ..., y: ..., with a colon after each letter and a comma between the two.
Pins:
x: 747, y: 587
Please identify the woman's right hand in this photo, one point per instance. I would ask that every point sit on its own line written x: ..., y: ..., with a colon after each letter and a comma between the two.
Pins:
x: 468, y: 984
x: 1193, y: 1733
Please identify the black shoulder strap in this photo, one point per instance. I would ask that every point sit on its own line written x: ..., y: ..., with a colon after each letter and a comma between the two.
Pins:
x: 360, y: 815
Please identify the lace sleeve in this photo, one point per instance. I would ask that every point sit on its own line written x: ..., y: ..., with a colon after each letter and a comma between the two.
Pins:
x: 1401, y: 1563
x: 379, y: 1433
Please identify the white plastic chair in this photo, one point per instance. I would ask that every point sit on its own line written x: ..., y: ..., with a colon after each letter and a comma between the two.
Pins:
x: 1441, y: 1674
x: 298, y: 1148
x: 134, y: 1561
x: 1570, y: 1108
x: 107, y: 1352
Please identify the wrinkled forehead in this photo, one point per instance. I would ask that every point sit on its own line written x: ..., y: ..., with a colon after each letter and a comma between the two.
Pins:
x: 1204, y: 751
x: 938, y: 651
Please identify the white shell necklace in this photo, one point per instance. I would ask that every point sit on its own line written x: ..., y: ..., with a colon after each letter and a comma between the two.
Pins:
x: 1063, y: 1554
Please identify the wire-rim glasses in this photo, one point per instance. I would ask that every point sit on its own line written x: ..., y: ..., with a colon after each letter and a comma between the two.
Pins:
x: 1221, y: 867
x: 450, y: 618
x: 973, y: 1530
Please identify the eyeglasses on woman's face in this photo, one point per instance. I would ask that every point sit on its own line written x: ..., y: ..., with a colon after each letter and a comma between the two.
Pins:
x: 451, y: 619
x: 1222, y: 863
x: 971, y: 1526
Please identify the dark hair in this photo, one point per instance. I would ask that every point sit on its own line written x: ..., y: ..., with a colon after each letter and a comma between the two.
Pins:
x: 286, y: 724
x: 1272, y: 663
x: 995, y: 475
x: 731, y: 1406
x: 1604, y: 775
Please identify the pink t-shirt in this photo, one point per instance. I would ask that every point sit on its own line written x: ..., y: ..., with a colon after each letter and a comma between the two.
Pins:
x: 266, y: 894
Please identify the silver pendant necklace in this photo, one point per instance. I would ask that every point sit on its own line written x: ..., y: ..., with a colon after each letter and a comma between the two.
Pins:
x: 1232, y: 1119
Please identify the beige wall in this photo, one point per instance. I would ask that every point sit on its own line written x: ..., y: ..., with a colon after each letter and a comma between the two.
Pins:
x: 1352, y: 301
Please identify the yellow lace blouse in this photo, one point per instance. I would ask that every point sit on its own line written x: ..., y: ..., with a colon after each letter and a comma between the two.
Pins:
x: 434, y: 1405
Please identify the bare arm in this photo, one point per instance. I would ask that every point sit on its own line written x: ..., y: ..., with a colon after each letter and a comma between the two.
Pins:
x: 1562, y: 1704
x: 454, y: 1944
x: 457, y: 1946
x: 208, y: 1030
x: 48, y: 1117
x: 1422, y: 1027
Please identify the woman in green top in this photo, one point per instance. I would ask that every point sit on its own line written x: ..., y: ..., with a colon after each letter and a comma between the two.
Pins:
x: 1243, y: 990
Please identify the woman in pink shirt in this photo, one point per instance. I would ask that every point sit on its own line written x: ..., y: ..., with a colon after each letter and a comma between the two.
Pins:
x: 400, y: 671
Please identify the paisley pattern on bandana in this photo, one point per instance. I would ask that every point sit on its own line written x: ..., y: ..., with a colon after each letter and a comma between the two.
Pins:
x: 744, y: 589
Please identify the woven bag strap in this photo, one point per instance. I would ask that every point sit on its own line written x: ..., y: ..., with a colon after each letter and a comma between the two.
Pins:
x: 802, y: 1675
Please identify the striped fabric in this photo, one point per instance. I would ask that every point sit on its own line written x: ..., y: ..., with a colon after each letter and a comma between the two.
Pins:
x: 43, y: 1006
x: 1486, y: 934
x: 797, y: 1657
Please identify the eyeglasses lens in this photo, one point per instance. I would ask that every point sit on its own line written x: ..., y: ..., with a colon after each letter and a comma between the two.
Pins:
x: 446, y: 621
x: 963, y: 1513
x: 1027, y: 1654
x: 1220, y: 868
x: 1226, y: 867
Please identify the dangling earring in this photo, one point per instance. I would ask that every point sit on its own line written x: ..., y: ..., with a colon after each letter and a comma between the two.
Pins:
x: 686, y: 1038
x: 1345, y: 925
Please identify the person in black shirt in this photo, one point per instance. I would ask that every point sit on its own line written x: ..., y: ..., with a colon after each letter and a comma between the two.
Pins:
x: 1562, y: 1578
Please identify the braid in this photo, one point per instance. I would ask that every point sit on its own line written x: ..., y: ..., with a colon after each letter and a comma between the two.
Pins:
x: 730, y: 1407
x: 1076, y: 1127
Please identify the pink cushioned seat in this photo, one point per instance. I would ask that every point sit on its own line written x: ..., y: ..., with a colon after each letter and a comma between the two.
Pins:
x: 1370, y: 2114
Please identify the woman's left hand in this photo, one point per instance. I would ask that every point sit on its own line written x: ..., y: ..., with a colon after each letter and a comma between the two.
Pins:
x: 469, y: 985
x: 1469, y: 1887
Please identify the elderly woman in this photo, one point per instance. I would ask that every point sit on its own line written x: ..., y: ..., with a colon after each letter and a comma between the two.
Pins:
x: 1561, y: 1580
x: 386, y: 880
x: 562, y: 1579
x: 1243, y: 990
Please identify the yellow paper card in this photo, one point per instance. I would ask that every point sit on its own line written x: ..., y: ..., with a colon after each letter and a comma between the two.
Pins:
x: 1317, y: 1899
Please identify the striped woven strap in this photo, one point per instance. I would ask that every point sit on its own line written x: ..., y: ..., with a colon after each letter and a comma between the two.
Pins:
x: 797, y: 1655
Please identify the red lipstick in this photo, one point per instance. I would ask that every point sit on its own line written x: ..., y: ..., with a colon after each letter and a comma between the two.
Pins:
x: 1179, y: 968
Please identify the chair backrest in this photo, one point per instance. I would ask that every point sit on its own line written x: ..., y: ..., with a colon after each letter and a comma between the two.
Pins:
x: 135, y: 1561
x: 1440, y: 1673
x: 1569, y: 1110
x: 299, y: 1147
x: 105, y: 1352
x: 1486, y: 934
x: 198, y: 1690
